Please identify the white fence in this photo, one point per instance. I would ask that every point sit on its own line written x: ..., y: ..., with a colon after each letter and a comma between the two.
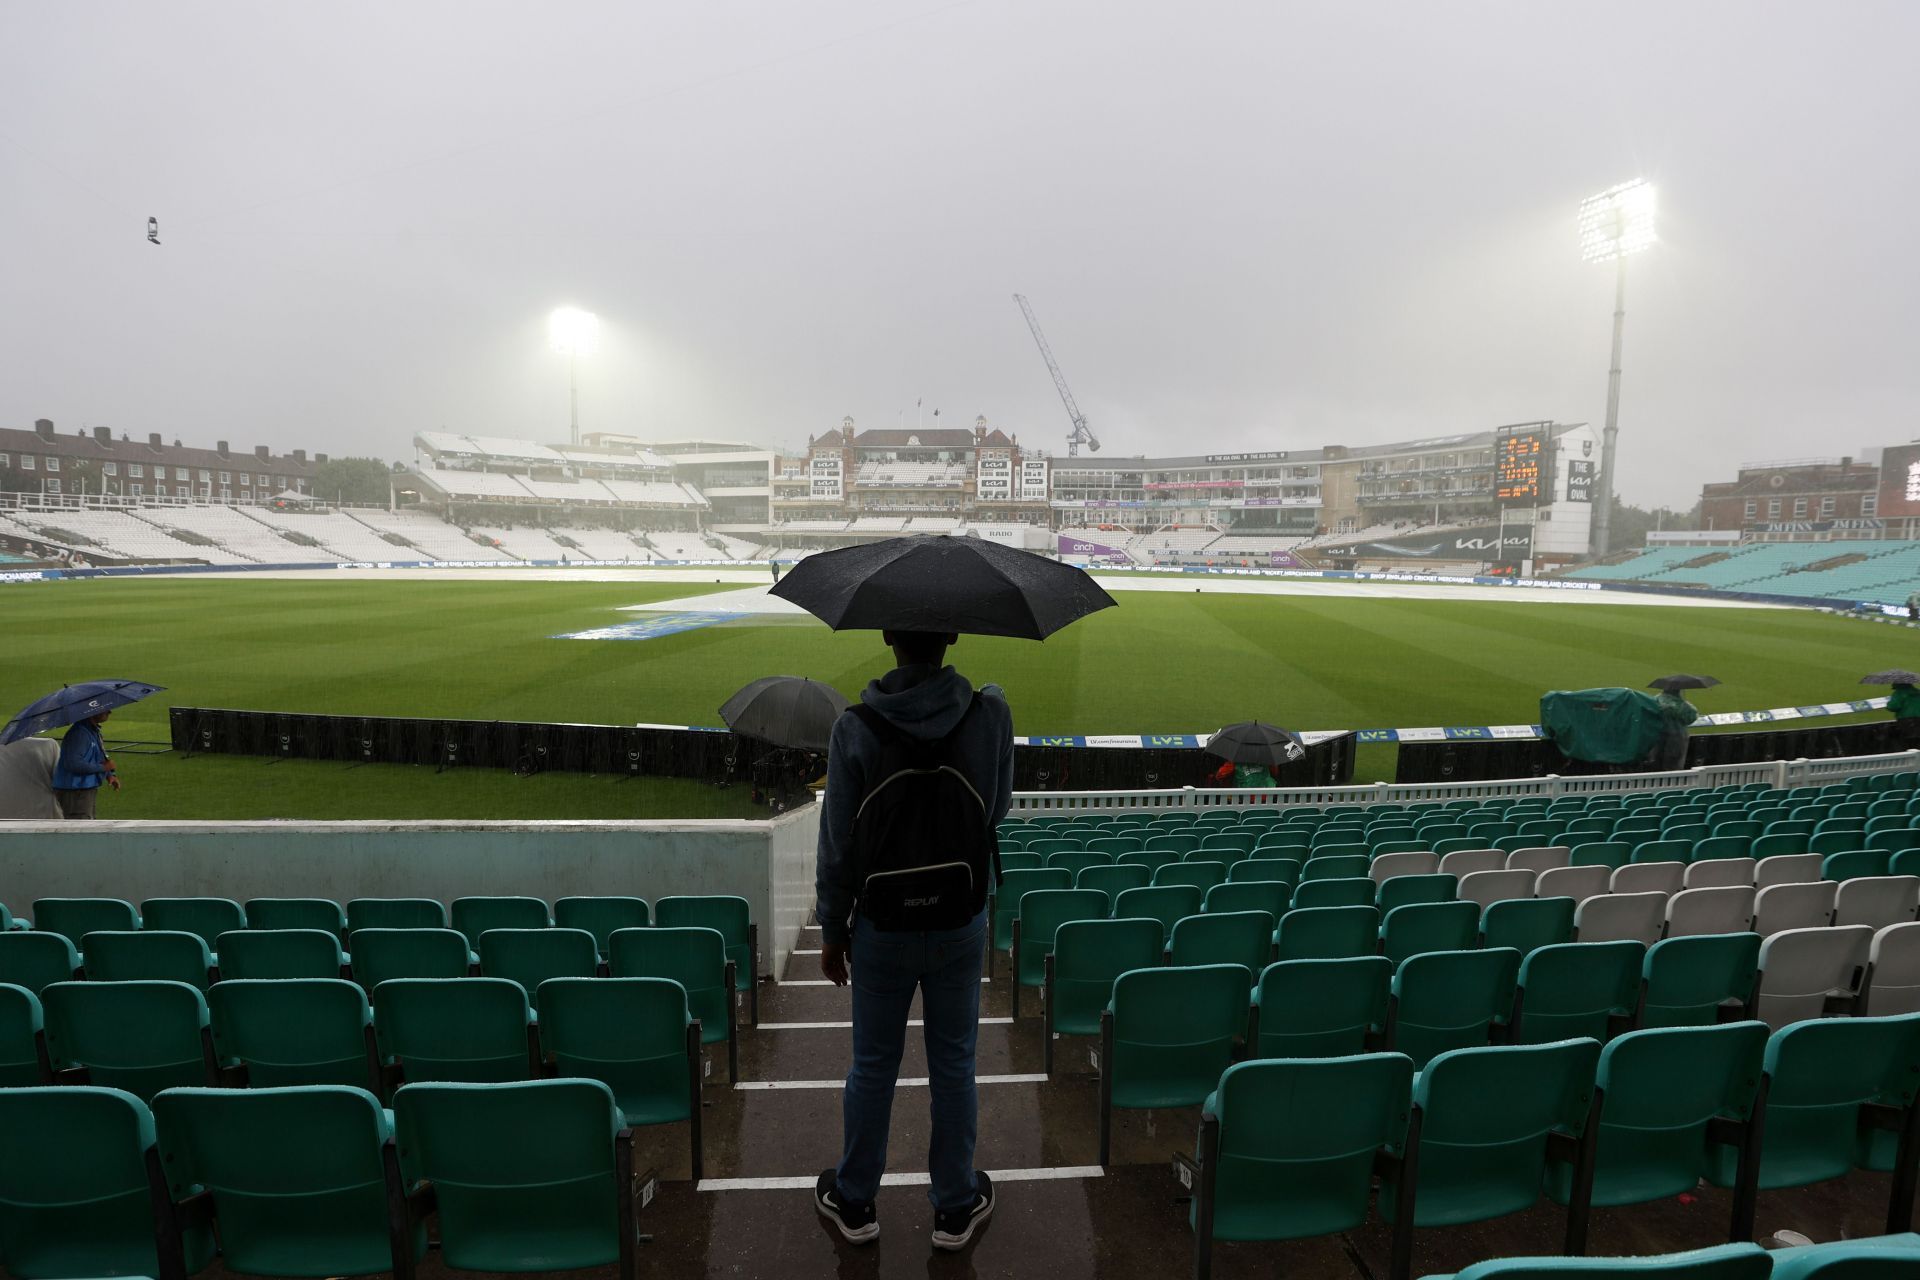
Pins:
x: 1771, y: 773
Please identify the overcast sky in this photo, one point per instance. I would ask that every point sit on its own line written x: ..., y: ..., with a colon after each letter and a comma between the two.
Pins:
x: 1244, y: 226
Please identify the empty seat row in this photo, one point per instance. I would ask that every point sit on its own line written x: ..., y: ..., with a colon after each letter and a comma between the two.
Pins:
x: 1874, y: 1258
x: 320, y: 1181
x: 1291, y: 1148
x: 212, y: 919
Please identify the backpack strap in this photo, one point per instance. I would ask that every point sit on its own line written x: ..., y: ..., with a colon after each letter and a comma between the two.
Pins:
x: 902, y: 744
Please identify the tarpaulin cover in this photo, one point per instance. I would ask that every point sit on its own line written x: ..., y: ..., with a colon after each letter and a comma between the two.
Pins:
x: 1605, y: 726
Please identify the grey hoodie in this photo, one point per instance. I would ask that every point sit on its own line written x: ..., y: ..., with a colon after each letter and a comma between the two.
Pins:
x: 926, y: 703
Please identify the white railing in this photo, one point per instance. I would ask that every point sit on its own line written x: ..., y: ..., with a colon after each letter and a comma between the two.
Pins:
x: 1770, y: 773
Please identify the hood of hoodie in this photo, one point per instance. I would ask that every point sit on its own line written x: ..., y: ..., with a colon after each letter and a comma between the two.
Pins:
x: 920, y: 700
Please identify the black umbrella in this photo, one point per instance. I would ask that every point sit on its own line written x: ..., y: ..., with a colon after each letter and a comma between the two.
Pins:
x: 788, y: 711
x: 1670, y: 684
x: 942, y: 584
x: 1251, y: 742
x: 1895, y: 676
x: 75, y: 703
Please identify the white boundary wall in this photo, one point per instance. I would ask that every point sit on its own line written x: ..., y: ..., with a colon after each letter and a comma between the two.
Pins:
x: 1772, y: 773
x: 770, y: 864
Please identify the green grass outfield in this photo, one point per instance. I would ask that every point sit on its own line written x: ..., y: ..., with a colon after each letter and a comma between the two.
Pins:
x: 1163, y: 662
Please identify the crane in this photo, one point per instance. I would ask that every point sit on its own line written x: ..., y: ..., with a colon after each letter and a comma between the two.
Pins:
x: 1080, y: 434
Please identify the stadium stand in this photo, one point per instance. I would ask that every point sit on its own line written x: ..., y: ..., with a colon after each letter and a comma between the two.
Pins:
x: 527, y: 543
x: 238, y: 532
x: 336, y: 531
x: 429, y: 535
x: 1884, y: 571
x: 601, y: 544
x: 125, y: 534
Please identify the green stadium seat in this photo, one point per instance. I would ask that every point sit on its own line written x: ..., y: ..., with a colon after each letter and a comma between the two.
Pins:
x: 1327, y: 933
x: 1287, y: 1148
x: 1074, y: 861
x: 79, y: 1186
x: 533, y: 956
x: 207, y: 917
x: 293, y: 1031
x: 1347, y: 891
x: 296, y: 913
x: 138, y: 1036
x: 1527, y: 924
x: 1152, y: 858
x: 1318, y: 1008
x: 74, y: 918
x: 636, y: 1036
x: 1088, y: 956
x: 380, y: 955
x: 148, y: 954
x: 1835, y: 865
x: 1746, y: 1261
x: 1286, y: 870
x: 1687, y: 982
x: 1678, y: 850
x: 1829, y: 842
x: 1233, y: 937
x: 1400, y: 891
x: 1577, y: 989
x: 1444, y: 1000
x: 1113, y: 880
x: 1284, y: 838
x: 696, y: 959
x: 1455, y: 844
x: 1661, y: 1097
x: 1270, y: 896
x: 1721, y: 846
x: 1010, y: 860
x: 393, y: 913
x: 1041, y: 913
x: 1894, y: 840
x: 475, y: 916
x: 1827, y: 1086
x: 1890, y: 1257
x: 1201, y: 875
x: 1343, y: 866
x: 23, y: 1041
x: 1612, y: 854
x: 1349, y: 850
x: 1183, y: 840
x: 37, y: 960
x: 1166, y: 1036
x: 472, y: 1030
x: 1428, y: 926
x: 1776, y: 844
x: 1051, y: 844
x: 1113, y: 846
x: 1005, y: 905
x: 1167, y: 904
x: 604, y: 916
x: 536, y: 1176
x: 296, y: 1177
x: 730, y: 916
x: 1484, y: 1124
x: 280, y: 953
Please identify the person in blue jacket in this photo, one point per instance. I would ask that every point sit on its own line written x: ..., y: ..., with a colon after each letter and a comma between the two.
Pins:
x: 83, y: 766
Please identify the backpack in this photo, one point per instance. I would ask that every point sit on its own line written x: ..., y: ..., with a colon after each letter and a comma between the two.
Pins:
x: 924, y: 848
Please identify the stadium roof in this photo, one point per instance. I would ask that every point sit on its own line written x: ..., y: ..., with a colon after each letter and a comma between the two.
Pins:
x: 1465, y: 440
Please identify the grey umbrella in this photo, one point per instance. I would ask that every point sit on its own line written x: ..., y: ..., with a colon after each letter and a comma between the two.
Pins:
x: 788, y: 711
x: 1895, y: 676
x: 1251, y: 742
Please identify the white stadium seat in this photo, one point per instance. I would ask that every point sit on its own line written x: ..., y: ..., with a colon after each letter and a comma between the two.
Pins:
x: 1718, y: 872
x: 1649, y: 877
x: 1635, y: 917
x: 1578, y: 883
x: 1544, y: 857
x: 1893, y: 971
x: 1801, y: 969
x: 1800, y: 905
x: 1876, y: 901
x: 1722, y: 909
x: 1489, y: 887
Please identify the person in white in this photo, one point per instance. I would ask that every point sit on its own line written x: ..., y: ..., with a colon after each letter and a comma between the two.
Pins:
x: 26, y: 779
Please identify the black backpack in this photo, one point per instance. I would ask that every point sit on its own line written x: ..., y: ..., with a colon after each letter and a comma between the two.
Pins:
x: 924, y: 848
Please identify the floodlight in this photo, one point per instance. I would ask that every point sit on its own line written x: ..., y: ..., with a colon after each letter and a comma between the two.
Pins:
x: 1617, y: 222
x: 573, y: 332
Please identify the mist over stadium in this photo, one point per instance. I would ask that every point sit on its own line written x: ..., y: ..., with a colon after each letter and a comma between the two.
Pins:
x: 1425, y: 499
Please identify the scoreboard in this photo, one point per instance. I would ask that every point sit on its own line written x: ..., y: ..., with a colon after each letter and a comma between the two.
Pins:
x: 1521, y: 468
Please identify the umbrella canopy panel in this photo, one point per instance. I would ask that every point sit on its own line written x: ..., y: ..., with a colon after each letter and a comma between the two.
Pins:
x: 1251, y: 742
x: 788, y: 711
x: 942, y: 584
x: 73, y: 704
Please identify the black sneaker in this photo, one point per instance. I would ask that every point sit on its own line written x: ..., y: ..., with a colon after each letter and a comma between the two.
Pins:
x: 857, y: 1223
x: 953, y: 1228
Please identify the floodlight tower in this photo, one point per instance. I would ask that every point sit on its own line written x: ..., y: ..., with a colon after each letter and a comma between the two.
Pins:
x: 1614, y: 224
x: 573, y: 333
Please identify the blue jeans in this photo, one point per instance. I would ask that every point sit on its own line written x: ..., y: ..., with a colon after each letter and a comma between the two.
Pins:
x: 887, y: 968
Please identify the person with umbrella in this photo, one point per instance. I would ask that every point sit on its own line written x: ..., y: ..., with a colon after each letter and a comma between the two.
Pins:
x: 83, y: 763
x: 919, y: 774
x: 1676, y: 713
x: 1252, y: 752
x: 83, y: 766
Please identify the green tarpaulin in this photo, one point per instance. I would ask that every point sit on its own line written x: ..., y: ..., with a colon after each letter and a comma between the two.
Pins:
x: 1605, y: 726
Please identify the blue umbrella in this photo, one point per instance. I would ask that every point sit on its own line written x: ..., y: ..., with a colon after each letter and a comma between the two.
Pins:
x: 73, y: 704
